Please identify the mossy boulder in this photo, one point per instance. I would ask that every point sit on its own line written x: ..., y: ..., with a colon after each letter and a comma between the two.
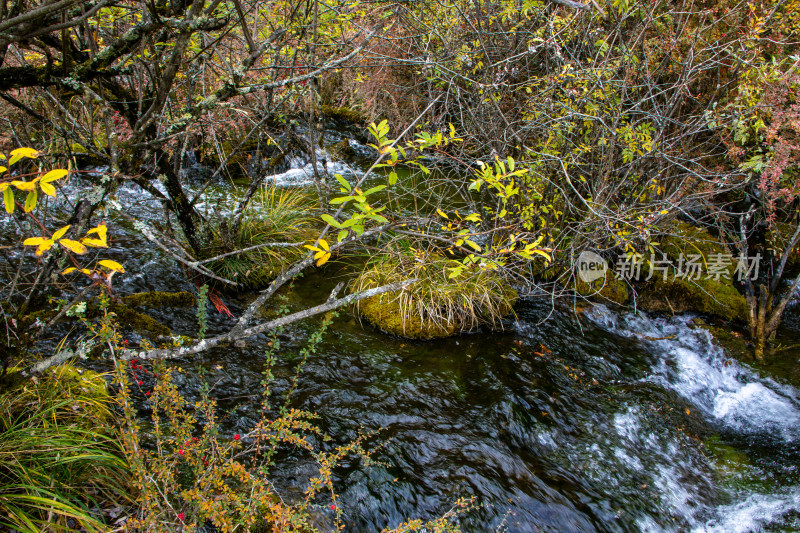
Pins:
x: 436, y: 305
x: 609, y: 289
x: 344, y: 114
x: 140, y: 322
x: 386, y: 313
x: 671, y: 291
x: 679, y: 295
x: 158, y: 299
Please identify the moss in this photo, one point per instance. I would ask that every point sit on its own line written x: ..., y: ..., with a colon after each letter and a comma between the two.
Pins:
x: 610, y: 288
x: 343, y: 113
x: 686, y: 240
x: 667, y: 292
x: 385, y: 312
x: 141, y: 323
x: 704, y: 295
x: 159, y: 299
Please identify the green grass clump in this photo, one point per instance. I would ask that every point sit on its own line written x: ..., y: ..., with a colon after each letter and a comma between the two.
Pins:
x: 273, y: 216
x: 60, y: 459
x: 436, y: 305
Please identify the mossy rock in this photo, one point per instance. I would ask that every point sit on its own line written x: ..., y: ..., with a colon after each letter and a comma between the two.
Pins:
x: 436, y: 305
x: 667, y: 292
x: 345, y: 114
x: 386, y: 314
x: 686, y: 239
x: 704, y: 295
x: 158, y: 299
x: 609, y: 288
x: 140, y: 322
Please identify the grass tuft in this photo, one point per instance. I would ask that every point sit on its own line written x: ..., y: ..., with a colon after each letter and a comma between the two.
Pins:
x: 436, y: 305
x: 60, y: 461
x: 273, y: 216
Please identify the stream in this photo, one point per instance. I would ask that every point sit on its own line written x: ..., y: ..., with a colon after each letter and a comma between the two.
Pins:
x: 599, y: 420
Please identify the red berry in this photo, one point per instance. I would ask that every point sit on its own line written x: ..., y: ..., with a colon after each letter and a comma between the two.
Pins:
x: 237, y: 437
x: 333, y: 507
x: 181, y: 516
x: 147, y: 393
x: 140, y: 382
x: 180, y: 452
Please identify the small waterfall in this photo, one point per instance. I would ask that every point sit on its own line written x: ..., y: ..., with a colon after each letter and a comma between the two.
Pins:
x: 730, y: 396
x: 301, y: 171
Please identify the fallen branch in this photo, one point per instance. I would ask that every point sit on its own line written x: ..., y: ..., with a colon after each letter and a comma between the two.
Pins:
x: 234, y: 334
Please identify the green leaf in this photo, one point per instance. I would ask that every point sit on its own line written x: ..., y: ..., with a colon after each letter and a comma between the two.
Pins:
x: 342, y: 235
x: 343, y: 182
x: 375, y: 189
x: 30, y: 201
x: 8, y: 198
x: 341, y: 200
x: 392, y: 177
x: 330, y: 220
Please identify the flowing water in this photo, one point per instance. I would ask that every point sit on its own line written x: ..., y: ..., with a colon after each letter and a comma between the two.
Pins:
x: 599, y: 420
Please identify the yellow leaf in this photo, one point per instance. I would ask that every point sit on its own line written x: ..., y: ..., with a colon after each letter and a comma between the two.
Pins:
x: 19, y: 153
x: 324, y: 244
x: 3, y: 169
x: 34, y: 241
x: 442, y: 214
x: 48, y: 189
x: 111, y: 265
x: 324, y: 259
x: 24, y: 185
x: 73, y: 246
x: 54, y: 175
x: 69, y: 270
x: 43, y: 244
x: 60, y: 233
x: 102, y: 241
x: 30, y: 201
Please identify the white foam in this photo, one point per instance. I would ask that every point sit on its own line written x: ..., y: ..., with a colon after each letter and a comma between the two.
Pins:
x: 751, y: 514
